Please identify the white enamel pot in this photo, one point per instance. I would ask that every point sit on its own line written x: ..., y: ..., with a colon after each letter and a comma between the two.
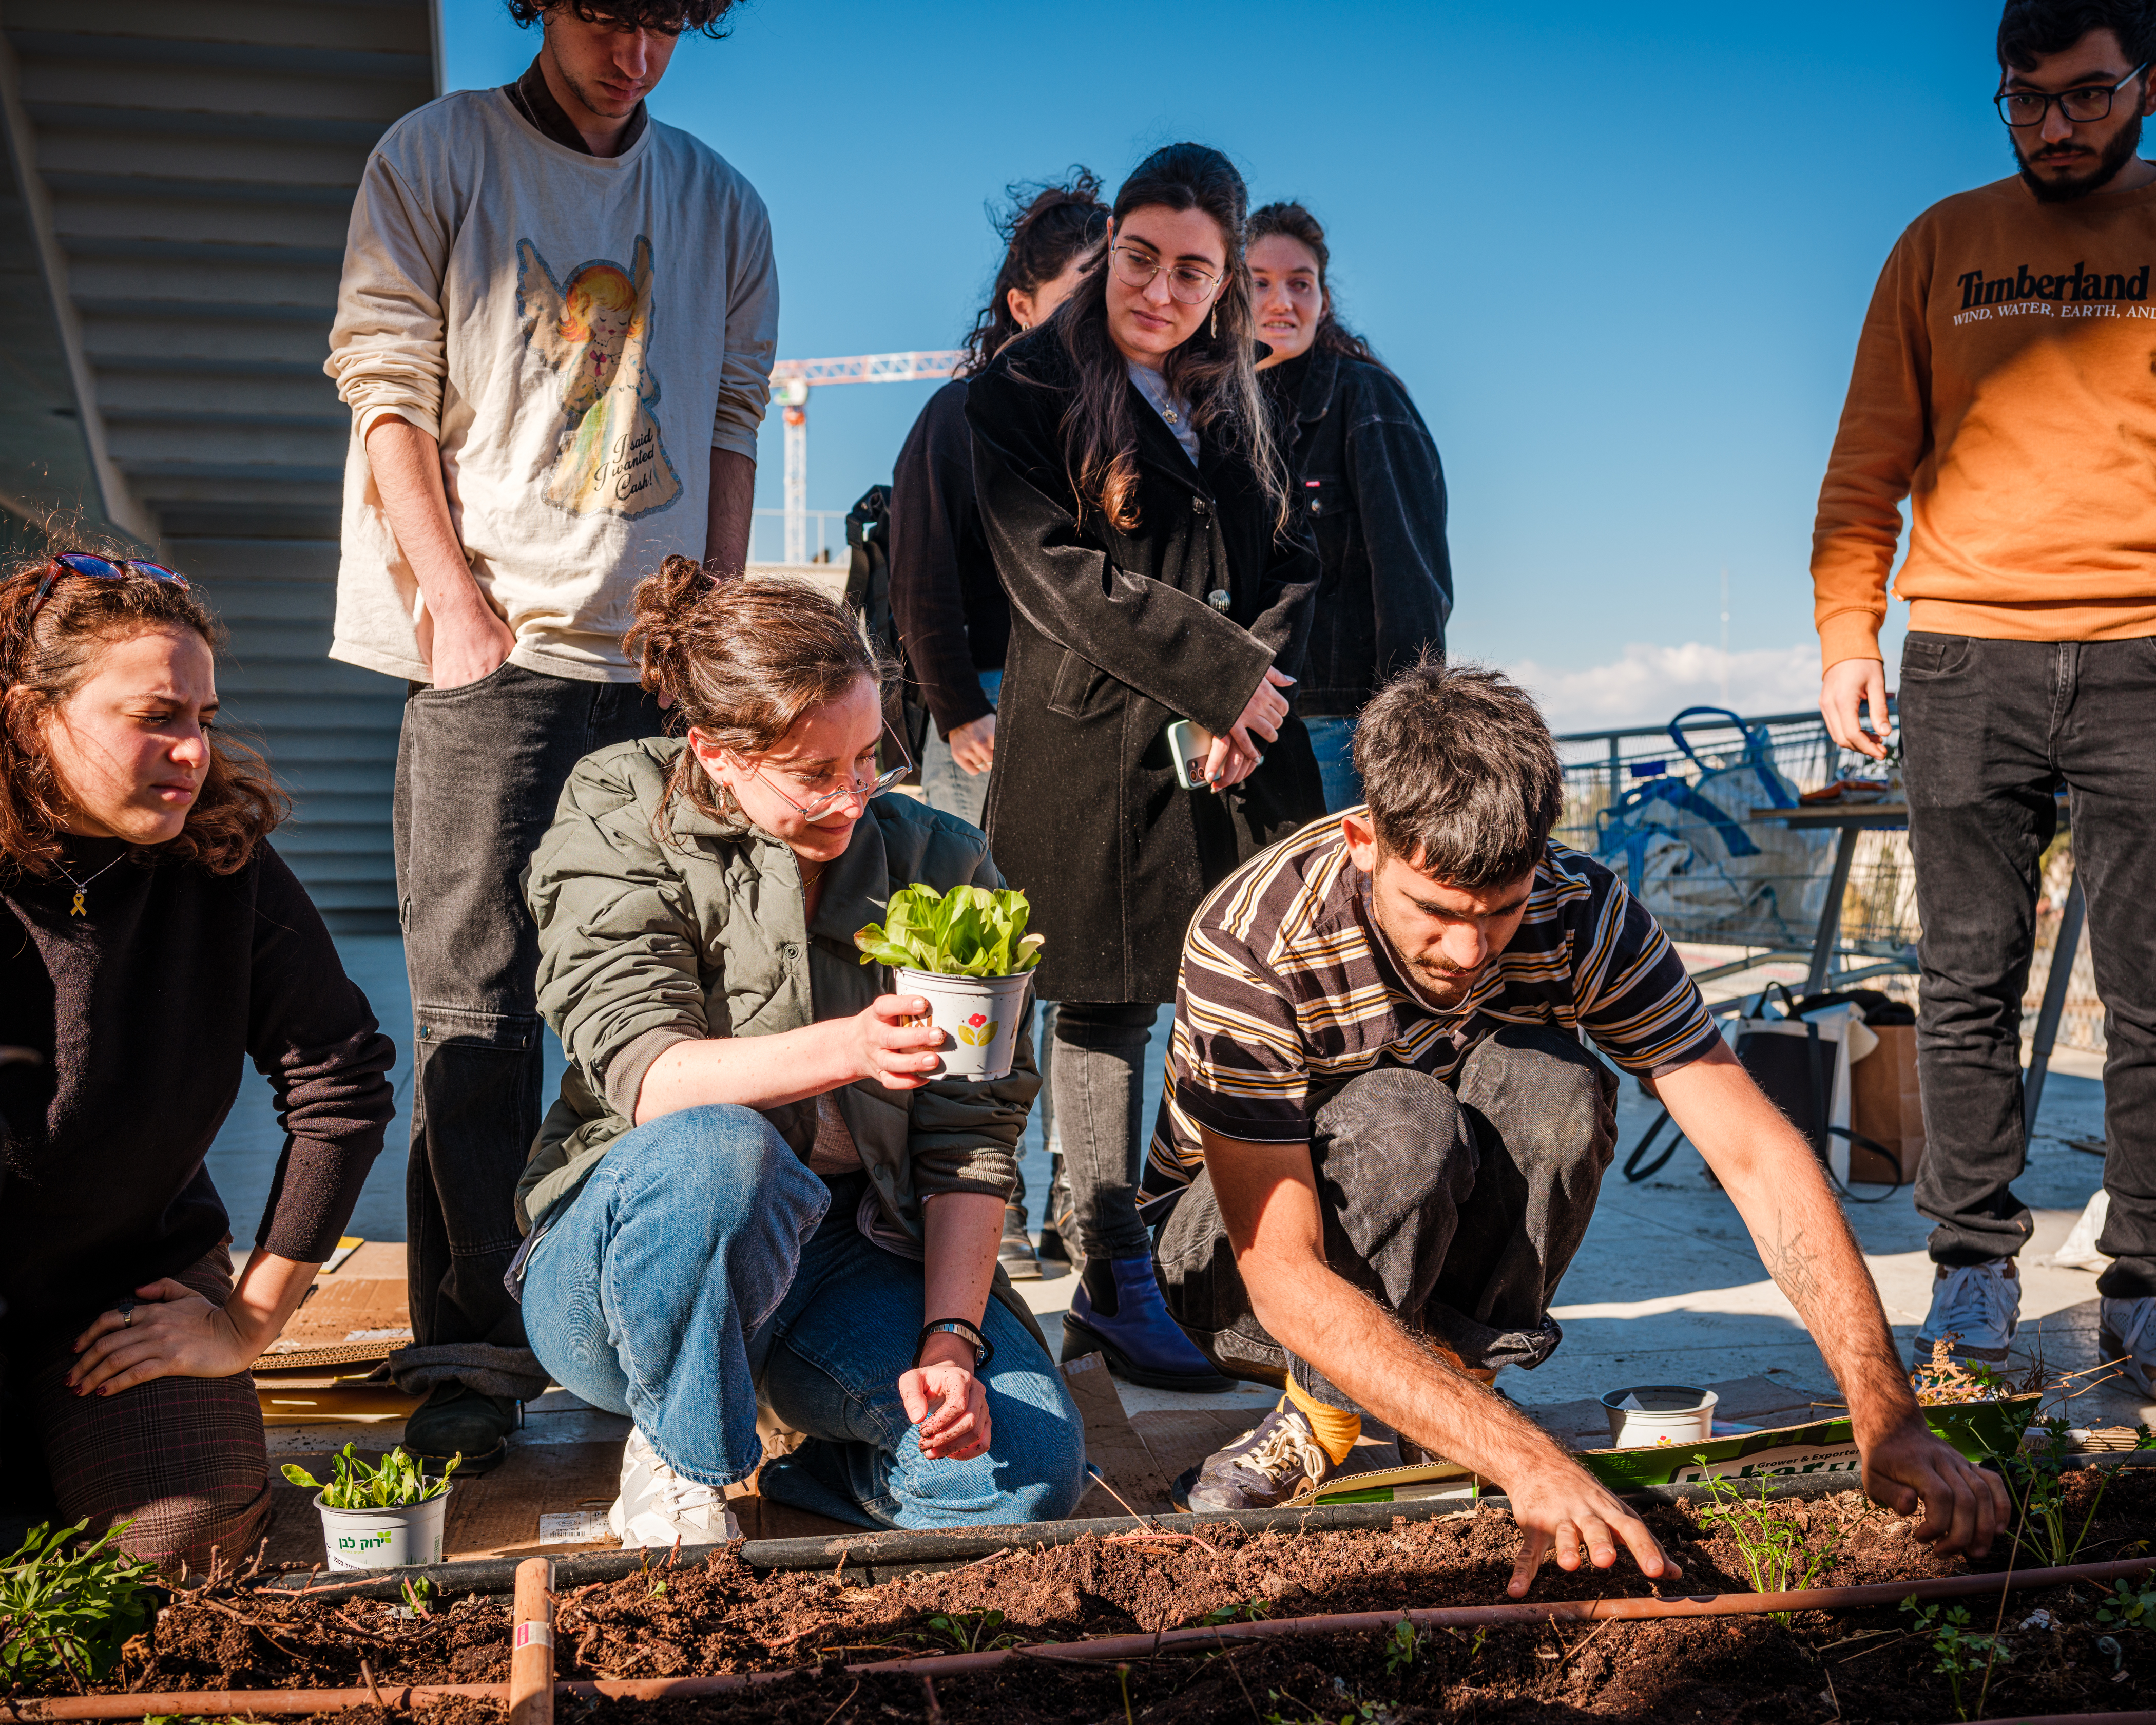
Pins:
x: 978, y: 1016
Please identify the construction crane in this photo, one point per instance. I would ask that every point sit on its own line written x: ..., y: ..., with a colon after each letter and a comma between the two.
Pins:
x: 791, y: 381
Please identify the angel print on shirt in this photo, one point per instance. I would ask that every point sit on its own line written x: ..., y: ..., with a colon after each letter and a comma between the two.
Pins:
x: 593, y: 332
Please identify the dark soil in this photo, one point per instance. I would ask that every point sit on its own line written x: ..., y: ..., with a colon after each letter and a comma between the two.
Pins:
x: 714, y: 1616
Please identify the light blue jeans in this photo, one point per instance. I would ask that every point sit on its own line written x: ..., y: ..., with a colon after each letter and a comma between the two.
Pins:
x: 946, y: 786
x: 703, y: 1263
x: 1334, y: 741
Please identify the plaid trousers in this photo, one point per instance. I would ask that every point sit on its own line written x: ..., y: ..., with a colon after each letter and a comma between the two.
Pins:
x: 182, y: 1460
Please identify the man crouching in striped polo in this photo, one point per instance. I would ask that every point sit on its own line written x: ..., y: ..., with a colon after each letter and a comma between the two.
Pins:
x: 1385, y: 1134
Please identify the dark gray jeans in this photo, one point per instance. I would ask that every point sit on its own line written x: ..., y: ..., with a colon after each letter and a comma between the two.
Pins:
x: 1098, y: 1077
x: 1457, y: 1210
x: 479, y: 769
x: 1991, y: 729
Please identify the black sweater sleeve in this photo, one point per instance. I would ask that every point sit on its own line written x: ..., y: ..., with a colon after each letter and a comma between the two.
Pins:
x: 312, y: 1033
x: 932, y: 517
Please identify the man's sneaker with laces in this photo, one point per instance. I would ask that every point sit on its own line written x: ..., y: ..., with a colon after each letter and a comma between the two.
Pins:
x: 1975, y: 1309
x: 1015, y: 1251
x: 1262, y: 1470
x: 2126, y: 1332
x: 657, y: 1507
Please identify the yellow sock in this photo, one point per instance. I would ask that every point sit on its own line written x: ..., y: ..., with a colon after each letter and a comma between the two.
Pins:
x: 1335, y: 1429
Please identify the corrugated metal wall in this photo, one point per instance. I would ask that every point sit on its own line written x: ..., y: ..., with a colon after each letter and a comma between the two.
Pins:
x: 192, y: 164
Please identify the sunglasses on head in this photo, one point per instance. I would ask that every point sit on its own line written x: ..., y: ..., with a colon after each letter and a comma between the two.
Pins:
x: 81, y: 562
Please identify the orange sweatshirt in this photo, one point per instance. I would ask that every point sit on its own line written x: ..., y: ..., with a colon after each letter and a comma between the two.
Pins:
x: 2005, y: 384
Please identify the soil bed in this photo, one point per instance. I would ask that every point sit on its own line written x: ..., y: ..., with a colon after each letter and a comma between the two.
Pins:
x: 713, y: 1617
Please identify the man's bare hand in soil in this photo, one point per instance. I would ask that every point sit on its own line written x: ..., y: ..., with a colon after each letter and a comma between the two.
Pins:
x: 1559, y: 1503
x: 1964, y: 1508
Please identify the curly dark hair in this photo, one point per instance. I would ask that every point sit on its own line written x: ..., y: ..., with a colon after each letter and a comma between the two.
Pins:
x: 707, y: 17
x: 2030, y: 29
x: 1044, y: 227
x: 47, y: 653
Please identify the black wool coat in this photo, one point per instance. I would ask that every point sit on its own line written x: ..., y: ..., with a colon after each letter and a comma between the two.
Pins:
x: 1365, y: 470
x: 1113, y: 636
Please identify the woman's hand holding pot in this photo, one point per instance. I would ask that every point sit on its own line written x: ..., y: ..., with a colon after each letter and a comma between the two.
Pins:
x: 886, y: 1044
x: 1236, y: 757
x: 948, y: 1402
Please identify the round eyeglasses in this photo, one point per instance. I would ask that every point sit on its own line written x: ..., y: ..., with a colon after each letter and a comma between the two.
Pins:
x: 2021, y: 107
x: 853, y: 787
x: 1186, y: 282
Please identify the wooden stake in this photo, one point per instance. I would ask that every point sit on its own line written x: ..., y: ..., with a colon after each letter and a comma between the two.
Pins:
x: 532, y: 1646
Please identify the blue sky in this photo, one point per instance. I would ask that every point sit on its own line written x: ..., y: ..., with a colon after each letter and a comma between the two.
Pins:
x: 1620, y: 255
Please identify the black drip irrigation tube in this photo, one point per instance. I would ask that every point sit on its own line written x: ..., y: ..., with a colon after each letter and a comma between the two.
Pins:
x: 868, y: 1558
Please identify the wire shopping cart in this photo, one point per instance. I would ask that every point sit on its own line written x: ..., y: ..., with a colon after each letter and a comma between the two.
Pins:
x: 1704, y: 819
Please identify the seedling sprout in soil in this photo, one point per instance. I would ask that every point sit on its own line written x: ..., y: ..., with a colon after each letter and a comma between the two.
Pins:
x: 66, y: 1614
x: 969, y: 930
x: 394, y: 1483
x: 1777, y: 1553
x: 1961, y: 1655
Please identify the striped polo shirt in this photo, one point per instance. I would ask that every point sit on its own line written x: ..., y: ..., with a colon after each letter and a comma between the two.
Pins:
x: 1288, y: 989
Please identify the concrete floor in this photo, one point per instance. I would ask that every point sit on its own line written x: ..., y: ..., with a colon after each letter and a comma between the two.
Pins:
x: 1666, y: 1289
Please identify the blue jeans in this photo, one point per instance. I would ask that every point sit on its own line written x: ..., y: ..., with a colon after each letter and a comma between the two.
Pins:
x: 946, y: 786
x: 1334, y: 741
x: 703, y: 1263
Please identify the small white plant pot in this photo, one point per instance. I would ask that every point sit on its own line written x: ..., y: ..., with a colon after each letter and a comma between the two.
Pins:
x: 383, y: 1538
x: 978, y: 1016
x: 1649, y: 1416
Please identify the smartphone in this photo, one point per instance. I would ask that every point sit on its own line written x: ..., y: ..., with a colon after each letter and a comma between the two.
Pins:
x: 1189, y: 744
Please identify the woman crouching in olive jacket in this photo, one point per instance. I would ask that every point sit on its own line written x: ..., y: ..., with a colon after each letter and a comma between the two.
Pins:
x: 754, y: 1183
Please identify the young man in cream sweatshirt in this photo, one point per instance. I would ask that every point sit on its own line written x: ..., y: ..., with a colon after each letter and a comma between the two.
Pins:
x: 2005, y: 385
x: 555, y: 332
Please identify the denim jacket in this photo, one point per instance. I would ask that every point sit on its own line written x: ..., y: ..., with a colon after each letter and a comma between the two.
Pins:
x: 1364, y: 467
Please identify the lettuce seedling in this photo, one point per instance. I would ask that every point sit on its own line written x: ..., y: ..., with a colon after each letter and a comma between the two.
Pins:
x: 969, y: 930
x: 396, y: 1483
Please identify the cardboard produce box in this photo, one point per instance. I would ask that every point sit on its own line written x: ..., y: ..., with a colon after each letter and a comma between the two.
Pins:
x: 1885, y: 1104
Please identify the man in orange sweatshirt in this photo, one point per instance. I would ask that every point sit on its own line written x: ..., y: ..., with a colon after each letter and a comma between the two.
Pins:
x: 2005, y: 385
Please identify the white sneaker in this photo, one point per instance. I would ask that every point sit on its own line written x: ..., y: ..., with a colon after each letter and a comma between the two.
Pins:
x: 2126, y: 1332
x: 657, y: 1507
x: 1975, y: 1309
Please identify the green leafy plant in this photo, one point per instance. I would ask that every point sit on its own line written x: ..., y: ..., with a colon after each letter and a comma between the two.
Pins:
x: 2131, y: 1606
x: 393, y: 1483
x: 1401, y: 1647
x: 67, y: 1612
x: 1246, y: 1610
x: 972, y: 1631
x: 1778, y: 1555
x: 2036, y: 1482
x: 1961, y: 1655
x: 969, y: 930
x: 418, y: 1596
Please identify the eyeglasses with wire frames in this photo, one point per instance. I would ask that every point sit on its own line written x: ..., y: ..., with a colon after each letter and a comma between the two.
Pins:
x: 81, y: 562
x: 2023, y: 108
x: 852, y: 787
x: 1186, y: 282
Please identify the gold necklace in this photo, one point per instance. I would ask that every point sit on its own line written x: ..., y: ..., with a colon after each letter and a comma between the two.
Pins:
x: 82, y: 887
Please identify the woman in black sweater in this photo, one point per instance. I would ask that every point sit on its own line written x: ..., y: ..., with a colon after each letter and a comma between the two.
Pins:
x: 151, y: 943
x: 1134, y: 505
x: 1362, y: 468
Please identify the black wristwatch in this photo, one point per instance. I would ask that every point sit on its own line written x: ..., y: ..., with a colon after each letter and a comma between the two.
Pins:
x: 983, y: 1349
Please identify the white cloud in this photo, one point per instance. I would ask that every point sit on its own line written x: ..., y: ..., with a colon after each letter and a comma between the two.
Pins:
x: 1649, y: 684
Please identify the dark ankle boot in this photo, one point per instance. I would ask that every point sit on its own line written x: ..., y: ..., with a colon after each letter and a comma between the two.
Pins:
x: 1119, y: 1313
